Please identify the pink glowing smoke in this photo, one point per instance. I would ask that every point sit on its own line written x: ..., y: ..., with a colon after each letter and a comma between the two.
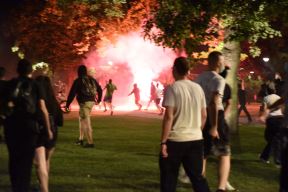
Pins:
x: 130, y: 60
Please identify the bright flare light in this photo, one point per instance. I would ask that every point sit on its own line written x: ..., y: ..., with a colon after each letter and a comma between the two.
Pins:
x: 144, y: 60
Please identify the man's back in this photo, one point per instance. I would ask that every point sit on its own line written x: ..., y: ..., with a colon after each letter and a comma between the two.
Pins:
x: 211, y: 82
x: 188, y: 99
x: 110, y: 89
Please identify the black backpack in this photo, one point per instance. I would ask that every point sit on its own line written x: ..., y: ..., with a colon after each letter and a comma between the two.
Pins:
x: 20, y: 100
x: 88, y: 86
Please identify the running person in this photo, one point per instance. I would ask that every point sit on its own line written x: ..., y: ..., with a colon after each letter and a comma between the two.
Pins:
x: 136, y: 92
x: 110, y: 88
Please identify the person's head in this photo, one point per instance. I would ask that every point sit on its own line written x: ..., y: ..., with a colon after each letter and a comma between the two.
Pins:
x: 82, y: 71
x: 24, y: 67
x: 216, y: 61
x: 110, y: 81
x: 180, y: 67
x: 2, y: 72
x: 135, y: 85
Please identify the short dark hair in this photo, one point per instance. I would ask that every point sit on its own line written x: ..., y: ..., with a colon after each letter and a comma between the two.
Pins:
x: 82, y: 71
x: 224, y: 73
x: 213, y: 57
x: 24, y: 67
x: 181, y: 66
x: 2, y: 72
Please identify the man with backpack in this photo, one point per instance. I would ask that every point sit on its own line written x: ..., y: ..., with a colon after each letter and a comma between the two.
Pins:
x: 85, y: 89
x: 24, y: 106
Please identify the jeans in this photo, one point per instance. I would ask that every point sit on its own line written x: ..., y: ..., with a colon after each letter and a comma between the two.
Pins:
x: 273, y: 126
x: 190, y: 154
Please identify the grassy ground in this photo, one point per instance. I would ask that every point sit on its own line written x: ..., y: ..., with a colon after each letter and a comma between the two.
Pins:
x: 125, y: 159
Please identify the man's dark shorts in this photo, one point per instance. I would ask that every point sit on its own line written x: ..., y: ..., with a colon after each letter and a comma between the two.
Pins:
x: 108, y: 99
x: 217, y: 147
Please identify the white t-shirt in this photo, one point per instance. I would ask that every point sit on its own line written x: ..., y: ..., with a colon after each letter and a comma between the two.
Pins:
x: 188, y: 99
x: 212, y: 82
x: 270, y: 100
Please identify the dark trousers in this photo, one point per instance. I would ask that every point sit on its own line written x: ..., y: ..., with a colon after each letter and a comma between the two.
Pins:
x: 21, y: 147
x: 284, y: 163
x: 190, y: 154
x: 273, y: 126
x: 243, y: 107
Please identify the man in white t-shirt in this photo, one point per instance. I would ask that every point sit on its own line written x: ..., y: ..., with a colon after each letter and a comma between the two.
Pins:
x: 284, y: 133
x: 216, y: 136
x: 273, y: 120
x: 182, y: 140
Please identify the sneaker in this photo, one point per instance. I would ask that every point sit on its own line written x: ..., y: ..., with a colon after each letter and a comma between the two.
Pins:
x: 264, y: 160
x: 87, y: 145
x: 229, y: 187
x: 184, y: 179
x: 111, y: 113
x: 105, y: 110
x: 79, y: 142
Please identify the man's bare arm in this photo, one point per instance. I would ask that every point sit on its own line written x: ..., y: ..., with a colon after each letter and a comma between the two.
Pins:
x: 166, y: 127
x: 203, y: 117
x: 213, y: 113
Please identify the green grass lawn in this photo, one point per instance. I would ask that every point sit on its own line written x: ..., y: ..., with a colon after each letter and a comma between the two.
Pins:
x: 125, y: 159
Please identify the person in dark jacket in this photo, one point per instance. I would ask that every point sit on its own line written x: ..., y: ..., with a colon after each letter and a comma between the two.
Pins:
x: 85, y: 88
x: 44, y: 146
x: 21, y: 126
x: 242, y: 100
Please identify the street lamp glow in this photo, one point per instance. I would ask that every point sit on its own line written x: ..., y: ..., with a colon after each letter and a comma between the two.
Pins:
x: 266, y: 59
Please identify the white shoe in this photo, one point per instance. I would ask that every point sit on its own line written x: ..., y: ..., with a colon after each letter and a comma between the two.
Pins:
x: 229, y: 187
x: 184, y: 179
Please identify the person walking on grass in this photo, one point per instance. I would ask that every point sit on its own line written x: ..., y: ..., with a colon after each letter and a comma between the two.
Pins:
x: 215, y: 132
x: 181, y: 140
x: 110, y: 88
x: 45, y: 147
x: 136, y: 92
x: 284, y: 134
x: 85, y: 88
x: 242, y: 96
x: 26, y: 99
x: 273, y: 120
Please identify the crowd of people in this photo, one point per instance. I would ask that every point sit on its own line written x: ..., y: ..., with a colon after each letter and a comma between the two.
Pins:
x: 194, y: 125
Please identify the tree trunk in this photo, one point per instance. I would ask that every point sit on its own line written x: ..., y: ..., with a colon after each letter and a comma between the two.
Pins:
x: 231, y: 52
